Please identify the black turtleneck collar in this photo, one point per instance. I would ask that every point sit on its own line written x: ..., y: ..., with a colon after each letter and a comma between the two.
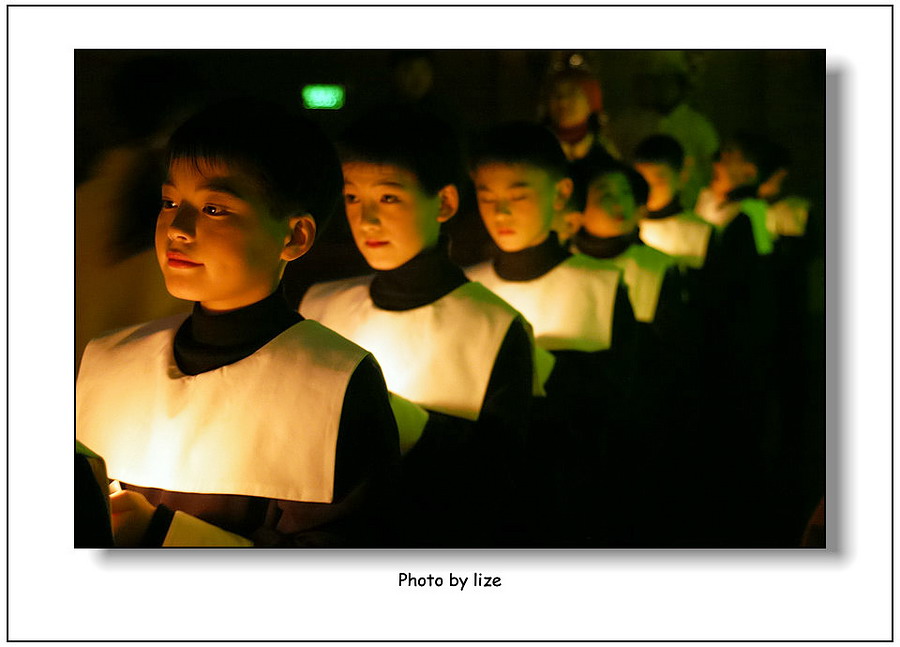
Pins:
x: 671, y: 209
x: 423, y: 279
x: 207, y: 341
x: 530, y: 263
x: 605, y: 247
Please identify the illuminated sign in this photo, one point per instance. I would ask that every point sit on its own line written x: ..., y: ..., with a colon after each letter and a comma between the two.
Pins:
x: 323, y: 97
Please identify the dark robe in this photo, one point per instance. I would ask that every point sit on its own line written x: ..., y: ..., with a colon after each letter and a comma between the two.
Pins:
x: 459, y: 481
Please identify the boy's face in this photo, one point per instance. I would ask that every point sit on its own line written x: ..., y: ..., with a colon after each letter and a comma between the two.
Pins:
x: 732, y: 170
x: 217, y: 241
x: 568, y: 105
x: 391, y: 217
x: 610, y: 209
x: 664, y: 181
x: 517, y: 203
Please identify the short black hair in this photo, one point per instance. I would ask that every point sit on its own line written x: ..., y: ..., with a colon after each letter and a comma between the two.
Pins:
x: 586, y: 170
x: 409, y: 138
x: 286, y: 153
x: 520, y: 143
x: 660, y: 149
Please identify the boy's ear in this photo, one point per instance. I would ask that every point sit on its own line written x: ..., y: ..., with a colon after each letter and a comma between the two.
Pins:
x: 449, y: 197
x: 301, y: 238
x: 563, y: 191
x: 572, y: 221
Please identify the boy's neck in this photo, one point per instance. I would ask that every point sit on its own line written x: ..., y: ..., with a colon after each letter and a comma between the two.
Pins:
x: 673, y: 208
x: 532, y: 262
x: 608, y: 247
x: 207, y: 340
x: 422, y: 280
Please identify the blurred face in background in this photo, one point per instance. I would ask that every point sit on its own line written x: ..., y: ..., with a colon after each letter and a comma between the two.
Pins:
x: 567, y: 104
x: 414, y: 77
x: 732, y: 170
x: 610, y: 209
x: 664, y: 181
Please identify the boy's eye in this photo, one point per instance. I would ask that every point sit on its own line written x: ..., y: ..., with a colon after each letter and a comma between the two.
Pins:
x: 167, y: 204
x: 349, y: 198
x: 390, y: 198
x: 213, y: 210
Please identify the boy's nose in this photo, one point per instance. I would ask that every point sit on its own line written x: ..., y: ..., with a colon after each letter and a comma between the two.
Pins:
x: 369, y: 215
x: 184, y: 224
x: 502, y: 208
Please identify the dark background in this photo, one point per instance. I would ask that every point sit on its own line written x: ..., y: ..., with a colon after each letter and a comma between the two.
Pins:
x: 779, y: 93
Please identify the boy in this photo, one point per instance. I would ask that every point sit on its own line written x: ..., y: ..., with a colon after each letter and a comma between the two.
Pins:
x: 613, y: 198
x: 667, y: 226
x: 446, y: 344
x: 242, y: 424
x: 739, y: 311
x: 730, y: 202
x: 787, y: 214
x: 577, y: 306
x: 521, y: 183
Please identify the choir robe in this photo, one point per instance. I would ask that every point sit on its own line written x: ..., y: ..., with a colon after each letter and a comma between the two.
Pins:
x: 664, y: 404
x: 684, y: 236
x: 252, y: 427
x: 679, y: 233
x: 739, y: 324
x: 465, y: 356
x: 580, y: 311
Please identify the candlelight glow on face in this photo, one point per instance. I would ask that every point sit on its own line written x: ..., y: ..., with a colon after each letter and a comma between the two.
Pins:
x: 217, y: 241
x: 390, y: 215
x: 611, y: 208
x: 517, y: 203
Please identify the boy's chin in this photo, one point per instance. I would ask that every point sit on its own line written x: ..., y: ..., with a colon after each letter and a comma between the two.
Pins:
x: 510, y: 247
x: 382, y: 265
x: 385, y: 263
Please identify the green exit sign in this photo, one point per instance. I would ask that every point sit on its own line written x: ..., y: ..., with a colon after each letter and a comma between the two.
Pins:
x: 323, y: 97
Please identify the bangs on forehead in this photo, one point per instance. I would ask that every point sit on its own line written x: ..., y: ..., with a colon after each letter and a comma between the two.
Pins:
x: 222, y: 166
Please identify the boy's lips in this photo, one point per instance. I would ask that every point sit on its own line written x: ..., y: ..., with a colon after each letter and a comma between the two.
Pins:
x: 506, y: 231
x: 180, y: 261
x: 376, y: 243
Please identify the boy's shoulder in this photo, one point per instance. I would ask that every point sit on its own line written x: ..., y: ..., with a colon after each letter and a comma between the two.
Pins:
x: 689, y: 219
x: 328, y: 289
x: 305, y: 338
x: 576, y: 269
x: 479, y: 297
x: 341, y: 293
x: 650, y: 258
x: 471, y: 295
x: 130, y: 335
x: 588, y: 265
